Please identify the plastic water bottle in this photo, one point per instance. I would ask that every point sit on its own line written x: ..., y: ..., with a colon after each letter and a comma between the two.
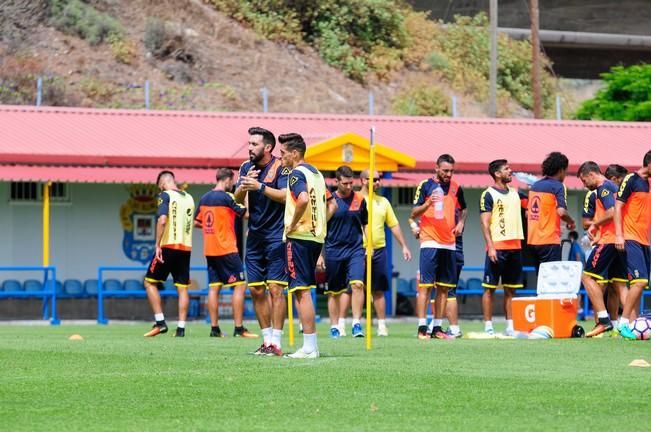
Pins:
x: 585, y: 244
x: 438, y: 202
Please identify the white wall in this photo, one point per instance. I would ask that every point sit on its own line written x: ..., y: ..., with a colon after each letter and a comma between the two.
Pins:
x: 86, y: 232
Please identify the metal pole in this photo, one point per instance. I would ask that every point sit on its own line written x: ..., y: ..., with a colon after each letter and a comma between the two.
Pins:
x: 559, y: 111
x: 371, y: 103
x: 369, y: 242
x: 265, y: 99
x: 455, y: 112
x: 147, y: 105
x: 39, y: 91
x: 493, y: 59
x: 535, y: 60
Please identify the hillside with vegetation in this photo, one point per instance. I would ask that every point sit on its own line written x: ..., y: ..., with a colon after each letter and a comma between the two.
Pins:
x: 217, y: 55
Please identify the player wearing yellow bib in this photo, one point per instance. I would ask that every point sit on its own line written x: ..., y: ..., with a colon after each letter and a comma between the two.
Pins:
x: 173, y: 247
x: 383, y: 214
x: 501, y: 225
x: 305, y: 232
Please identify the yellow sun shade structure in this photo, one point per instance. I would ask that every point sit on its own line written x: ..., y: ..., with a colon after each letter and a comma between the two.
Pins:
x: 354, y: 150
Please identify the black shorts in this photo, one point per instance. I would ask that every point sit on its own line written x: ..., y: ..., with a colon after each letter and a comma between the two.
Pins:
x: 545, y: 253
x: 605, y: 263
x: 637, y: 261
x: 452, y: 292
x: 344, y: 272
x: 508, y: 267
x: 225, y: 270
x: 380, y: 280
x: 265, y: 261
x: 438, y: 267
x: 302, y: 256
x: 176, y: 262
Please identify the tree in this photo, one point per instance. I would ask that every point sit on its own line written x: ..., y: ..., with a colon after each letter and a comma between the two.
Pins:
x: 625, y: 97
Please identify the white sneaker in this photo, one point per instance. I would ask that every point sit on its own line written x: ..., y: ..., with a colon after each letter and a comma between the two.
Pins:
x: 489, y: 331
x: 509, y: 332
x: 342, y: 330
x: 300, y: 354
x: 383, y: 331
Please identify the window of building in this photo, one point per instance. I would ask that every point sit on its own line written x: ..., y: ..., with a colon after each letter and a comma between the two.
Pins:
x: 404, y: 197
x: 33, y: 192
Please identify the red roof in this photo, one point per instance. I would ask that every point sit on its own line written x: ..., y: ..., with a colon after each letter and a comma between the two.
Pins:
x: 95, y: 174
x: 131, y: 138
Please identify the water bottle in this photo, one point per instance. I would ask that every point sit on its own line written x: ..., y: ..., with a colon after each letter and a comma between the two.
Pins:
x: 438, y: 202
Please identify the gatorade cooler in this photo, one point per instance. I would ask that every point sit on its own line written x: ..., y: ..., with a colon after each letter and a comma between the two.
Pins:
x: 556, y: 304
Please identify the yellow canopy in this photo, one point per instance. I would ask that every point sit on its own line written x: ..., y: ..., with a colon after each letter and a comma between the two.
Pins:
x: 354, y: 150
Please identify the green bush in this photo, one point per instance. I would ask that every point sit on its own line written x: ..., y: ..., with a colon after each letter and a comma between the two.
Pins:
x: 465, y: 46
x: 346, y: 33
x: 78, y: 18
x: 154, y: 35
x: 625, y: 97
x: 422, y: 100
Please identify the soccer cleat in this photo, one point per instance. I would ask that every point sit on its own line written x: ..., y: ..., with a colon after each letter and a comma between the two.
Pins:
x: 438, y: 333
x: 454, y: 335
x: 156, y: 330
x: 300, y: 354
x: 273, y: 351
x: 599, y: 329
x: 217, y: 333
x: 383, y: 331
x: 180, y: 332
x: 334, y: 333
x: 422, y: 332
x: 262, y: 349
x: 626, y: 332
x: 357, y: 331
x: 243, y: 332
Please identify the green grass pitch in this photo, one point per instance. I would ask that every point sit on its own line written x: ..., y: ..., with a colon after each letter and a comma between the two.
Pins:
x: 117, y: 380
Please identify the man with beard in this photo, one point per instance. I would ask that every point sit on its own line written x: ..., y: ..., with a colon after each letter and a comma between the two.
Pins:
x: 501, y: 225
x: 435, y: 203
x: 264, y: 181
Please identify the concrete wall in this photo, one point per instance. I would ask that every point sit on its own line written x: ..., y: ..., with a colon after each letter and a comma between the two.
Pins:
x: 632, y: 16
x: 85, y: 232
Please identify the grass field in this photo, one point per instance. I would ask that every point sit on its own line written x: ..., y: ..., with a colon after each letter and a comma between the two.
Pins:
x: 117, y: 380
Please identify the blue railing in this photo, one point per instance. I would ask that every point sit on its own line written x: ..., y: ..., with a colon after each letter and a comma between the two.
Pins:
x: 102, y: 293
x: 48, y: 294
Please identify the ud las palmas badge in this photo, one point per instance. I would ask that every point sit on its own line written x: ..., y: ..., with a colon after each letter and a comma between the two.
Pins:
x: 138, y: 218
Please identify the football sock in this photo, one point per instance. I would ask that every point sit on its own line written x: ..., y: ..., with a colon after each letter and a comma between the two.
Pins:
x: 614, y: 323
x: 181, y: 324
x: 342, y: 322
x: 381, y: 324
x: 623, y: 321
x: 356, y: 321
x: 309, y: 342
x: 602, y: 314
x: 437, y: 322
x: 159, y: 317
x: 488, y: 325
x: 509, y: 324
x: 454, y: 329
x: 266, y: 335
x: 422, y: 322
x: 275, y: 337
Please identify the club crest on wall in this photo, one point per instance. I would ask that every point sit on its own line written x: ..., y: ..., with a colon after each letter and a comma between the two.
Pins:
x: 138, y: 219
